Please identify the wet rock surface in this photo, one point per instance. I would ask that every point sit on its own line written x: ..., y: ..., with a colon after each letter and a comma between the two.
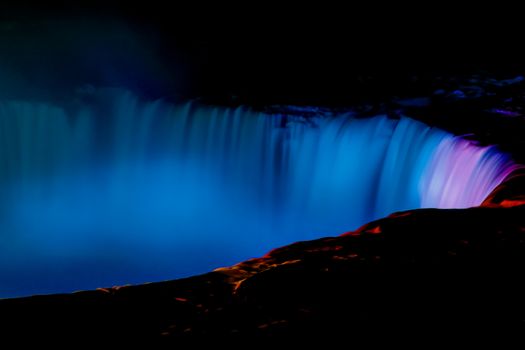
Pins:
x: 432, y: 272
x: 437, y: 272
x: 428, y: 271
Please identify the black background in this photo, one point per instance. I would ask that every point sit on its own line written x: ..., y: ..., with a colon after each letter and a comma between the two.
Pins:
x: 312, y: 55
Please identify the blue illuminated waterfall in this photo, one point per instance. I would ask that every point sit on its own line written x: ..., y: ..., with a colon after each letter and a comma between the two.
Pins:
x: 110, y: 190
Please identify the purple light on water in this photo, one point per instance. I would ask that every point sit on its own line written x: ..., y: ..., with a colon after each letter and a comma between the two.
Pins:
x: 461, y: 174
x: 121, y: 191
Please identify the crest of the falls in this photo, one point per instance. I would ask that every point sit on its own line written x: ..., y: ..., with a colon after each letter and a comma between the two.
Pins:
x: 109, y: 189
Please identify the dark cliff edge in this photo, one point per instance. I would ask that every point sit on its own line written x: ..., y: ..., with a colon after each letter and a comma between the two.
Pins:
x: 430, y: 272
x: 427, y: 271
x: 437, y: 273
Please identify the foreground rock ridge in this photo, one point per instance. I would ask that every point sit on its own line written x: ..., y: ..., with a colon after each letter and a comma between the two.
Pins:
x: 439, y: 272
x: 428, y: 270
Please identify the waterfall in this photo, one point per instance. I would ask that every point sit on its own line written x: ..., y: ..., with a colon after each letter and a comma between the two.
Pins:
x: 108, y: 189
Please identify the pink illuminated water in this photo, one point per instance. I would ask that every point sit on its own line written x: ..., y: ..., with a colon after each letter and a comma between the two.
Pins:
x: 114, y: 190
x: 461, y: 174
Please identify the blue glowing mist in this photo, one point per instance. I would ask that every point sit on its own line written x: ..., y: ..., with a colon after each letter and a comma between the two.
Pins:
x: 110, y: 190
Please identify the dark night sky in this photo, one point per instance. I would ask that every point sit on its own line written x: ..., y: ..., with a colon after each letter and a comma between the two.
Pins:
x: 299, y: 55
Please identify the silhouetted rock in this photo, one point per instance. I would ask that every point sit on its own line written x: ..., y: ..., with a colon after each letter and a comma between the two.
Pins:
x: 428, y: 270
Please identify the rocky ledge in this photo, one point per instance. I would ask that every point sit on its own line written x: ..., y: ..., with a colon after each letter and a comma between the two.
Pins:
x: 428, y: 271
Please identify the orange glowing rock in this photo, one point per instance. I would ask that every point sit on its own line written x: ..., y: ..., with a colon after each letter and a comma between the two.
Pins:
x: 376, y: 230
